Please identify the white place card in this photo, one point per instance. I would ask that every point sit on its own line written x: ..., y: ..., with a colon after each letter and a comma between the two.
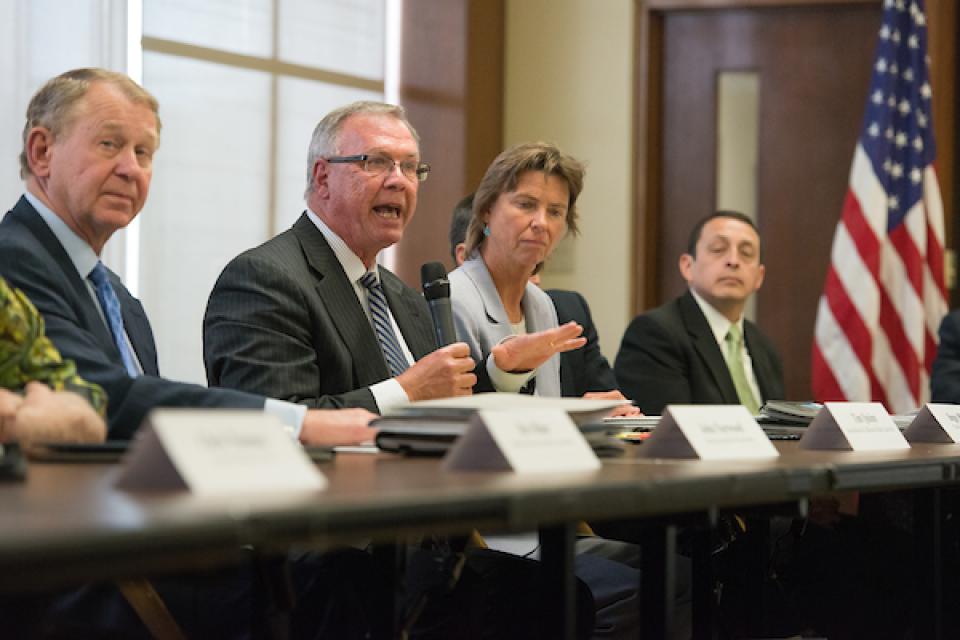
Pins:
x: 216, y: 452
x: 855, y: 426
x: 935, y: 423
x: 708, y: 432
x: 522, y: 440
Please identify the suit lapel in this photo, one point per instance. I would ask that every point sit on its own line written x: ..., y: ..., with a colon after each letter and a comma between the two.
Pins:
x: 537, y: 310
x: 79, y: 296
x: 762, y: 369
x: 343, y: 308
x: 540, y: 315
x: 476, y: 270
x: 706, y: 346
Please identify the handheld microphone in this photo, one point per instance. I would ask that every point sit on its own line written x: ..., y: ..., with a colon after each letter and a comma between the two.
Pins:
x: 436, y: 289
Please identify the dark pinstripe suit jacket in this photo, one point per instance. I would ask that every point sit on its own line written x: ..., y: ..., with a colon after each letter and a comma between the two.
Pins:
x: 284, y: 321
x: 32, y: 259
x: 670, y: 356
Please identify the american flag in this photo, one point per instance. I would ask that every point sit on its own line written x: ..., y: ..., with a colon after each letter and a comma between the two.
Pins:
x: 884, y: 296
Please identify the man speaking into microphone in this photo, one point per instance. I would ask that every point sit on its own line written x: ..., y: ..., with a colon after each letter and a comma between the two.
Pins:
x: 309, y: 316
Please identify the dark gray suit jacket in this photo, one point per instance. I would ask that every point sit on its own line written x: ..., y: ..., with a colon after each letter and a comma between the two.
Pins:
x: 670, y: 356
x: 283, y: 320
x: 32, y: 259
x: 945, y: 379
x: 584, y: 369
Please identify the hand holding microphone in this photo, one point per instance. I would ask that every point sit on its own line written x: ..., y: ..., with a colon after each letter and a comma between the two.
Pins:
x: 448, y: 371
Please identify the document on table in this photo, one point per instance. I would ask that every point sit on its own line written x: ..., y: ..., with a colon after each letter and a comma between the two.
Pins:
x: 582, y: 410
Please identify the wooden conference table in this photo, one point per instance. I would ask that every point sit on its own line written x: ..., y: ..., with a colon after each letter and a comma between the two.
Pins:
x: 68, y: 523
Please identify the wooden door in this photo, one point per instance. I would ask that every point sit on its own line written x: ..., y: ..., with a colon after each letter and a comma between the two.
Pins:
x: 813, y: 69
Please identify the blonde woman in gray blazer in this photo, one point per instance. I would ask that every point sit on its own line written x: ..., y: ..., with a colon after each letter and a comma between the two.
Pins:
x: 525, y: 204
x: 523, y: 207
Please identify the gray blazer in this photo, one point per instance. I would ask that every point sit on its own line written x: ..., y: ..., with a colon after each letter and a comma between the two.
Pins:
x: 481, y: 321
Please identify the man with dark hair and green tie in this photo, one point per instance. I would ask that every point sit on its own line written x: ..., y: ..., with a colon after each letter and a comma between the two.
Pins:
x: 699, y: 348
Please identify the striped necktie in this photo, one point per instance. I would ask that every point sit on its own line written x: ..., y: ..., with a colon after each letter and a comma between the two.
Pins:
x: 734, y: 356
x: 111, y: 310
x: 380, y: 316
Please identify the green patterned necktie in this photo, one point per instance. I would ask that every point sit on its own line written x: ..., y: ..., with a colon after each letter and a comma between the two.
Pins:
x: 734, y: 356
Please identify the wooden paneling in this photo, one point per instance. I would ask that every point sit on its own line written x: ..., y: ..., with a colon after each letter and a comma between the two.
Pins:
x: 484, y: 88
x: 648, y: 140
x: 943, y: 30
x: 815, y: 77
x: 452, y: 87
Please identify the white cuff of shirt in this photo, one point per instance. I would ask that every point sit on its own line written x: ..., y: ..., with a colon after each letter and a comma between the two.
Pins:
x: 504, y: 380
x: 389, y: 395
x: 290, y: 414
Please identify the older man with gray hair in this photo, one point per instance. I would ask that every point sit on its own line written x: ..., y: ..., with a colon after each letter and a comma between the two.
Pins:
x: 310, y: 316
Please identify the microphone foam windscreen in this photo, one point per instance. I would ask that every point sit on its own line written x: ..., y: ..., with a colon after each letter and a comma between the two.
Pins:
x: 432, y: 271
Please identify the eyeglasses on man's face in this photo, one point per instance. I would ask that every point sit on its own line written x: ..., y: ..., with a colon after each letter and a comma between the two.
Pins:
x: 377, y: 165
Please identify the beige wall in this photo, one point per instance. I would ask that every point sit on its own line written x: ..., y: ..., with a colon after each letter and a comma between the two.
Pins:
x: 569, y: 80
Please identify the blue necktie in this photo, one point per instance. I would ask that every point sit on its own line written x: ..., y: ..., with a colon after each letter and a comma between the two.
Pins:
x: 111, y: 309
x: 380, y: 314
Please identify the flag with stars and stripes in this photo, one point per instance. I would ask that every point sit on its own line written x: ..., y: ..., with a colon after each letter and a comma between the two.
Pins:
x: 876, y: 331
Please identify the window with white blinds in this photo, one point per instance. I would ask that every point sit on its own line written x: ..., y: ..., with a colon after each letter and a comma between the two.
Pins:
x: 241, y: 85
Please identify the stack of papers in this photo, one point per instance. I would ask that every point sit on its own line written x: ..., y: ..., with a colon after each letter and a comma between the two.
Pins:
x: 785, y: 412
x: 632, y: 423
x: 431, y: 426
x: 581, y: 410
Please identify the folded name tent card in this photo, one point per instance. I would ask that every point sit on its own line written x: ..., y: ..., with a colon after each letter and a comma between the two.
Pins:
x: 854, y: 426
x: 708, y: 432
x: 522, y: 440
x: 935, y: 423
x: 216, y: 452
